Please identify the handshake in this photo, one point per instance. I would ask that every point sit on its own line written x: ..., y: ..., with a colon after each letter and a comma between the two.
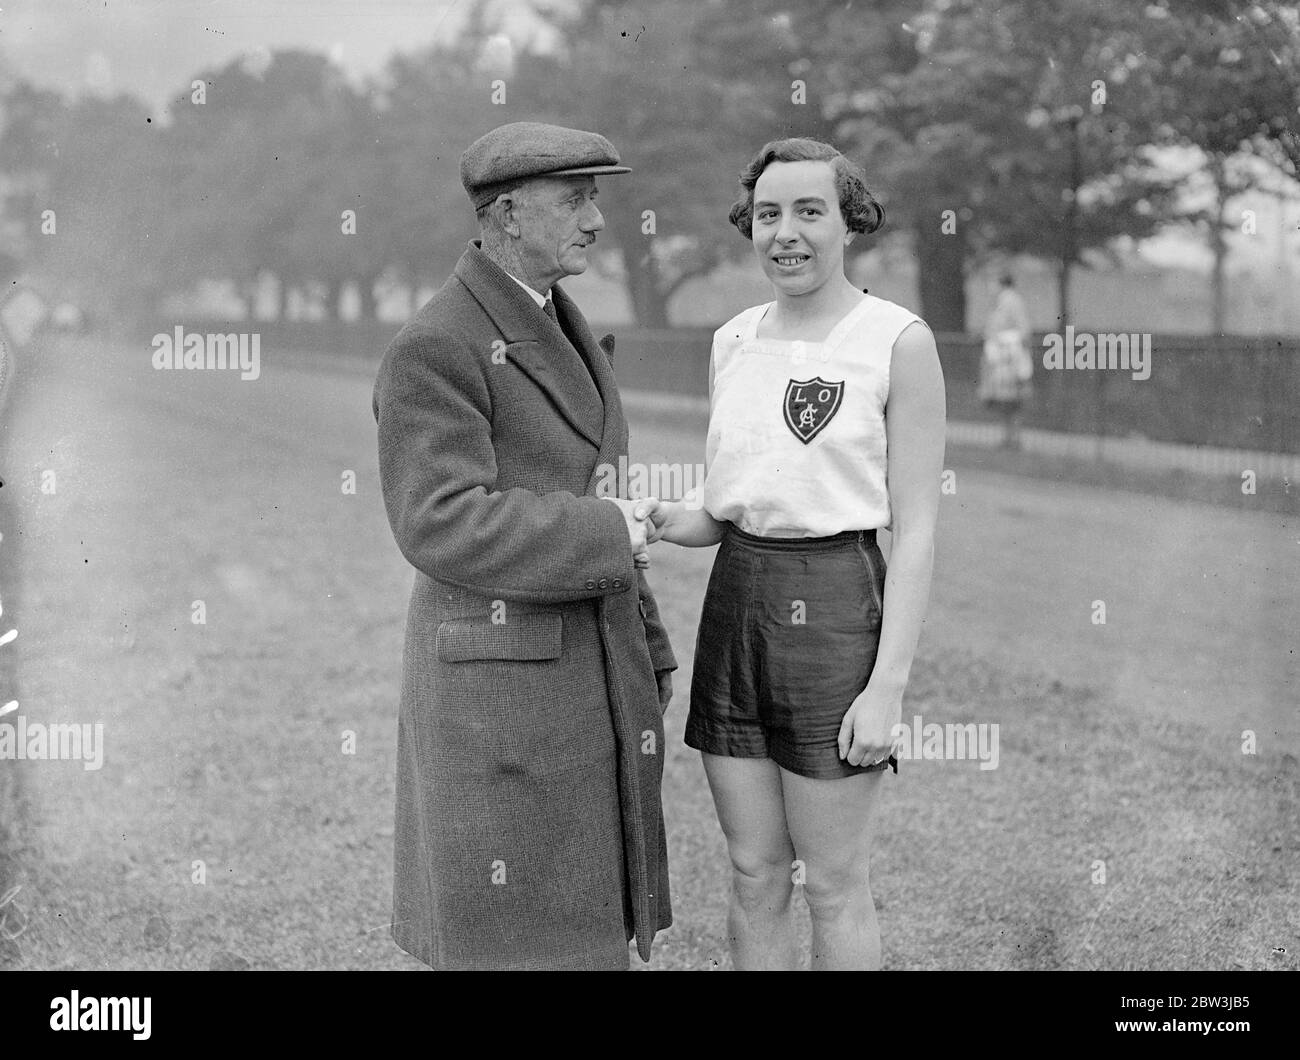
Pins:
x: 645, y: 525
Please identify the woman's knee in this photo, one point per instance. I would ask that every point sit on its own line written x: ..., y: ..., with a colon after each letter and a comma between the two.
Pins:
x: 762, y: 878
x: 832, y: 891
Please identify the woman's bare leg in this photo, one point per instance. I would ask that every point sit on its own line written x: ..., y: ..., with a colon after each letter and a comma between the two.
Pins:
x: 760, y: 920
x: 832, y: 824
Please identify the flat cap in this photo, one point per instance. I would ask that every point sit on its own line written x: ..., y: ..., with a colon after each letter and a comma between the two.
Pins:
x: 526, y: 149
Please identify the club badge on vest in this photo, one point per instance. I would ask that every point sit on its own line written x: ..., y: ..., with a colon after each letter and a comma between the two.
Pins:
x: 810, y: 405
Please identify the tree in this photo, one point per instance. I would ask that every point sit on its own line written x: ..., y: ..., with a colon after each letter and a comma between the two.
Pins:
x: 31, y: 120
x: 976, y: 120
x: 633, y: 73
x: 254, y: 174
x: 428, y: 108
x: 80, y: 176
x: 1016, y: 114
x: 1229, y: 84
x: 832, y: 71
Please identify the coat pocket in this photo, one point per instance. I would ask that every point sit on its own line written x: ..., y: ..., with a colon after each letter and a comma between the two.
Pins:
x: 532, y: 635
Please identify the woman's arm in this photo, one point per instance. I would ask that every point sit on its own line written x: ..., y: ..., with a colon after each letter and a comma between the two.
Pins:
x: 915, y: 420
x: 686, y: 523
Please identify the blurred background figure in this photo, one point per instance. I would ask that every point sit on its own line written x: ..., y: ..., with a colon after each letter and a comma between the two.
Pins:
x: 1006, y: 367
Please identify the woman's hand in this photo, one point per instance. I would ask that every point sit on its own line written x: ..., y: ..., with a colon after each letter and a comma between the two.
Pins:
x: 867, y: 733
x: 667, y: 514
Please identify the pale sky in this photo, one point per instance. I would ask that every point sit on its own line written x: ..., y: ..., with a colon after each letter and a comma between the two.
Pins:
x: 152, y: 48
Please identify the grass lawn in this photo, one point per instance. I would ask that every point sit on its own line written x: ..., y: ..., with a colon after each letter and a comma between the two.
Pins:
x: 227, y: 826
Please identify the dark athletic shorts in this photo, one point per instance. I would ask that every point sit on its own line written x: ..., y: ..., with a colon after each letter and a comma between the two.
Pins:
x: 787, y: 640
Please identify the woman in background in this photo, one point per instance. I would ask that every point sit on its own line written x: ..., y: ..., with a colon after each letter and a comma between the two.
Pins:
x: 1006, y: 368
x: 826, y: 424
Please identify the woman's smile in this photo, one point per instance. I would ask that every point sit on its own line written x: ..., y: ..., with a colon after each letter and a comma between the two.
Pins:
x: 791, y: 260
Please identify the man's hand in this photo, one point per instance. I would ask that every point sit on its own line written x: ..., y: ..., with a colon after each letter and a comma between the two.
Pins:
x: 640, y: 526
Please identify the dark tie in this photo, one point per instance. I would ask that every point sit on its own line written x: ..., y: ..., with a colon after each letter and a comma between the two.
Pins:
x: 548, y: 307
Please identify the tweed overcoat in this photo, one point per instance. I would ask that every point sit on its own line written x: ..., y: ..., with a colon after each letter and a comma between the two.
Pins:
x: 529, y: 826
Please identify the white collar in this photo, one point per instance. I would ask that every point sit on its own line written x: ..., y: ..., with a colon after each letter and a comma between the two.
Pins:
x: 540, y: 299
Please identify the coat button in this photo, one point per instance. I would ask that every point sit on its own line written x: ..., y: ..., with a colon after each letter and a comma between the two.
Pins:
x: 603, y: 583
x: 591, y: 584
x: 617, y: 583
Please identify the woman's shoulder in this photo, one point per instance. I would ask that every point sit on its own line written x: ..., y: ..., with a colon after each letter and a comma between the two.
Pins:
x: 883, y: 309
x: 738, y: 327
x: 884, y: 321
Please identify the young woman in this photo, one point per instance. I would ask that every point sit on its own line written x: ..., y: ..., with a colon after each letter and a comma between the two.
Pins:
x: 1006, y: 367
x: 826, y: 424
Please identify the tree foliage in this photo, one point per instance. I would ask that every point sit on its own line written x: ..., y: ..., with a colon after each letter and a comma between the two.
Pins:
x: 988, y: 129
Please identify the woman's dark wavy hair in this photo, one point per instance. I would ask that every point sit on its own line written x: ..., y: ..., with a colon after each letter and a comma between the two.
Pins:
x: 859, y: 208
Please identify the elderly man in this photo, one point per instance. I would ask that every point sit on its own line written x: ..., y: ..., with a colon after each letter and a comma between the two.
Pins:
x: 529, y: 823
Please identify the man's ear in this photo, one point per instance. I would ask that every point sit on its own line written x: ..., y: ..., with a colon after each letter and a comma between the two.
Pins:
x: 507, y: 211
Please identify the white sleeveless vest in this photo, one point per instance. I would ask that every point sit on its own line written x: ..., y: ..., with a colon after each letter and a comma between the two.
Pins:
x: 796, y: 444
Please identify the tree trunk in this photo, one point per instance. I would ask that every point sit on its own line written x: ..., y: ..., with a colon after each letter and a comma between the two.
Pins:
x: 333, y: 299
x: 1218, y: 318
x: 645, y: 288
x: 281, y: 297
x: 412, y: 291
x: 366, y: 288
x: 1219, y: 248
x: 1070, y: 229
x: 941, y: 280
x: 649, y: 305
x: 1063, y: 269
x: 248, y: 290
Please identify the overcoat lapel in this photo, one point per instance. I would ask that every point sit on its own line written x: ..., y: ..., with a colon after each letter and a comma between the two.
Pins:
x: 614, y: 433
x: 633, y: 703
x: 534, y: 344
